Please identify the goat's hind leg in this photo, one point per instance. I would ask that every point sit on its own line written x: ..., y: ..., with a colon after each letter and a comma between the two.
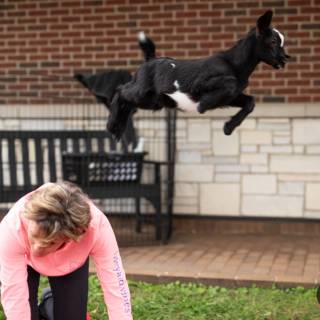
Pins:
x: 120, y: 112
x: 131, y: 92
x: 138, y: 88
x: 247, y: 105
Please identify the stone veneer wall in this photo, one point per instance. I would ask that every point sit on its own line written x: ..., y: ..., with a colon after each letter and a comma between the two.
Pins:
x: 269, y: 167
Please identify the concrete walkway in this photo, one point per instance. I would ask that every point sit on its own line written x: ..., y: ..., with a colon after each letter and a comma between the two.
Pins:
x: 228, y: 260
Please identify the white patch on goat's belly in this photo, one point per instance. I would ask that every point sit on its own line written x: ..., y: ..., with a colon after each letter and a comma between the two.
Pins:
x: 184, y: 102
x: 281, y: 36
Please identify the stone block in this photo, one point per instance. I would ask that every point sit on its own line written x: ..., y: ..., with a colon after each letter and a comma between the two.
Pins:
x: 299, y: 177
x: 312, y: 214
x: 180, y: 134
x: 274, y: 125
x: 312, y: 110
x: 291, y: 188
x: 298, y: 149
x: 295, y: 164
x: 219, y: 199
x: 186, y: 189
x: 274, y: 110
x: 281, y: 140
x: 199, y: 130
x: 185, y: 209
x: 186, y: 201
x: 189, y: 156
x: 225, y: 145
x: 217, y: 124
x: 259, y: 168
x: 306, y: 131
x: 259, y: 184
x: 41, y: 124
x: 248, y: 124
x: 225, y: 160
x: 181, y: 124
x: 249, y: 148
x: 276, y: 149
x: 194, y: 173
x: 272, y: 206
x: 313, y: 196
x: 313, y: 149
x: 10, y: 111
x: 227, y: 177
x: 255, y: 158
x: 11, y: 124
x: 232, y: 168
x: 151, y: 124
x: 256, y: 137
x: 185, y: 145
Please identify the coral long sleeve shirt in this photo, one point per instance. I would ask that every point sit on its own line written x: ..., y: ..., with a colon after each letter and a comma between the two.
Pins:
x: 98, y: 242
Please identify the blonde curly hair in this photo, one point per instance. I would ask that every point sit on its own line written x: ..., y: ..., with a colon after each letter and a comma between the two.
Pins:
x: 59, y: 209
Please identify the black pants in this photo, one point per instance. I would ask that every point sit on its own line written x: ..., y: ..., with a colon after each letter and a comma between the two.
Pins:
x: 70, y: 294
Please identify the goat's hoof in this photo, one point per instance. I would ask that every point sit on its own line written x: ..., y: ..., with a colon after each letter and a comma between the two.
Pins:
x: 227, y: 129
x: 200, y: 109
x: 116, y: 132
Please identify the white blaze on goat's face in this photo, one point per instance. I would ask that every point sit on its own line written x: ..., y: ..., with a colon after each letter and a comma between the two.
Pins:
x: 281, y: 36
x: 184, y: 102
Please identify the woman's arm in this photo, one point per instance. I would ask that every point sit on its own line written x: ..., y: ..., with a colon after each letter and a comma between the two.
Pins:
x: 110, y: 273
x: 13, y: 276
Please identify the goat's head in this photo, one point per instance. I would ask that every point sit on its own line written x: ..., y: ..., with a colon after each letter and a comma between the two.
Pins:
x: 270, y: 43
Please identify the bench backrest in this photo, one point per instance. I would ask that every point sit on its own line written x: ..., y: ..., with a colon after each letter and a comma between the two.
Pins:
x: 31, y: 158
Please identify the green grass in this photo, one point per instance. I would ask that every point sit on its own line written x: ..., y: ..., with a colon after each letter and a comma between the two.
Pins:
x: 177, y: 301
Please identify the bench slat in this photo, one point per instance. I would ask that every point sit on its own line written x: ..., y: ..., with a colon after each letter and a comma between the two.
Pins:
x: 25, y: 162
x: 88, y: 145
x: 12, y: 162
x: 39, y: 161
x: 76, y: 146
x: 101, y: 145
x: 63, y: 145
x: 52, y: 160
x: 1, y: 164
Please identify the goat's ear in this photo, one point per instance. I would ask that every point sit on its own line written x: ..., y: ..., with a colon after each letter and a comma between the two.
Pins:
x: 263, y: 23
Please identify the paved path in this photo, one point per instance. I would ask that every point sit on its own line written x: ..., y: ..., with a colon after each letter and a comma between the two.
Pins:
x: 228, y: 260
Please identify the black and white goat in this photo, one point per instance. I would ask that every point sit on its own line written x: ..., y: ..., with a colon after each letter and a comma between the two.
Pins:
x: 202, y: 84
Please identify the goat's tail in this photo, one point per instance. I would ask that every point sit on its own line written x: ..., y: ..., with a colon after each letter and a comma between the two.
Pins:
x: 147, y: 46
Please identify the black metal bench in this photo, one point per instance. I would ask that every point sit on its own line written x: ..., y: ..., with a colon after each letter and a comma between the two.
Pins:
x: 30, y: 158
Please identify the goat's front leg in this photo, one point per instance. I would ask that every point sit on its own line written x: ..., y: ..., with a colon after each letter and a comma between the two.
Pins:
x: 247, y: 105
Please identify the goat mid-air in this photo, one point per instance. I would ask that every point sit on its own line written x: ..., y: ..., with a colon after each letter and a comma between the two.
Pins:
x: 203, y: 84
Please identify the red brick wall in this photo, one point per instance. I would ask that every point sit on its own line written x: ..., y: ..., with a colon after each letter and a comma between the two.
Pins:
x: 44, y: 42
